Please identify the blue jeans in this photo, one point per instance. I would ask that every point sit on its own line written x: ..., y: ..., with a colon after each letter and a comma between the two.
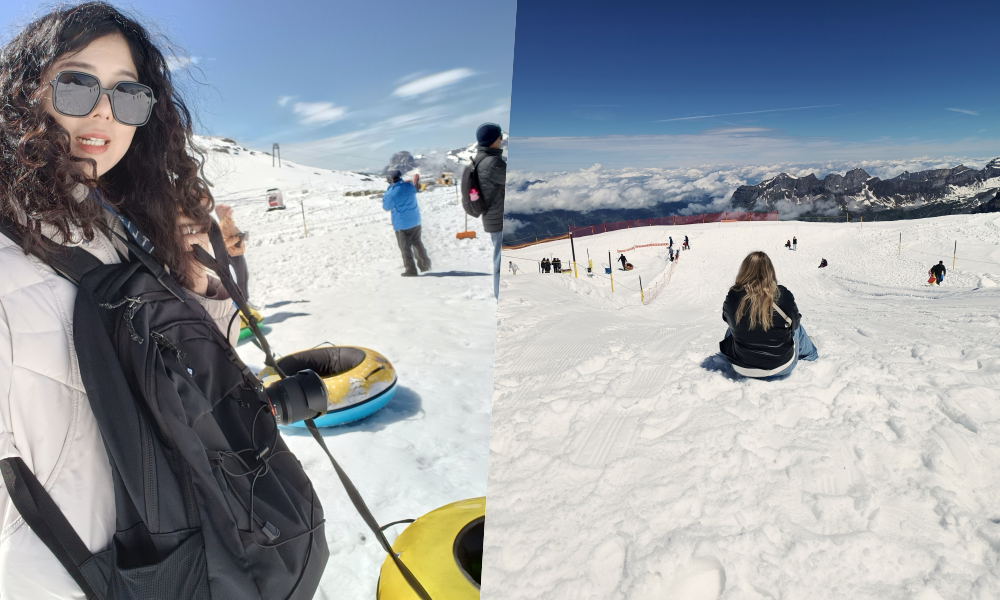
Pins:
x: 804, y: 349
x: 497, y: 244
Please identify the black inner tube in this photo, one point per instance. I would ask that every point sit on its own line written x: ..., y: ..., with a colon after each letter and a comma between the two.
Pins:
x: 468, y: 550
x: 327, y: 362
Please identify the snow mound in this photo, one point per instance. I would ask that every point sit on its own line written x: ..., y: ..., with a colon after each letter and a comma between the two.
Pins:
x: 341, y: 284
x: 865, y: 474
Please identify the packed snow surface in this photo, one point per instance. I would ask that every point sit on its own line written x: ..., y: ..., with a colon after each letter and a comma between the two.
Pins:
x: 628, y: 459
x: 341, y: 284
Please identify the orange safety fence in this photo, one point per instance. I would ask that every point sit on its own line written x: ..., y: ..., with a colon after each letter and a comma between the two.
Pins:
x: 642, y: 246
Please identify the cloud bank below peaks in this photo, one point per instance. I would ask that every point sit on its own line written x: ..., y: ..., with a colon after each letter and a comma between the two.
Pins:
x: 706, y: 188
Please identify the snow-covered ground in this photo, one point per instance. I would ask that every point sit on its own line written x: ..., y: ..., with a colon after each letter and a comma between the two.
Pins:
x: 341, y: 284
x: 628, y: 460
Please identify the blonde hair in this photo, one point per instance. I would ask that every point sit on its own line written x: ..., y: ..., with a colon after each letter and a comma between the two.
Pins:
x: 756, y: 277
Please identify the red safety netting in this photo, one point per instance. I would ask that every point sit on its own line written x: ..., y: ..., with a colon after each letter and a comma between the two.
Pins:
x: 664, y: 221
x: 641, y: 246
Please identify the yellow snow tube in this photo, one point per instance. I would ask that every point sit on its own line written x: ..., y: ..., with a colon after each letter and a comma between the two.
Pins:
x: 444, y: 551
x: 359, y: 381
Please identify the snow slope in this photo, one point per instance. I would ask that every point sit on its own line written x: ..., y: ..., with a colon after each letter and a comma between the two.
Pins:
x: 628, y: 460
x: 341, y: 284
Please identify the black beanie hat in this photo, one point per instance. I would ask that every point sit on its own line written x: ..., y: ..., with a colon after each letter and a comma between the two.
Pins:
x: 488, y: 133
x: 393, y: 176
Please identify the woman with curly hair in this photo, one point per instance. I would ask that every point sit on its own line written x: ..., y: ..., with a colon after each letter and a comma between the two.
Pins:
x: 765, y: 338
x: 89, y: 123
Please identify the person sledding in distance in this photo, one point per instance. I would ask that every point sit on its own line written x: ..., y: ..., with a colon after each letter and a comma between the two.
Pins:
x: 822, y: 263
x: 795, y: 243
x: 788, y: 244
x: 687, y: 244
x: 626, y: 266
x: 765, y: 339
x: 938, y: 272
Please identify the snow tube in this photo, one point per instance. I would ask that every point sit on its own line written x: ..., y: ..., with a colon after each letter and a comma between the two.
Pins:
x: 358, y: 381
x: 628, y: 266
x: 444, y: 551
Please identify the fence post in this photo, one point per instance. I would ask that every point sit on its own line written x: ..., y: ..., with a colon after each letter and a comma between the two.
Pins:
x: 954, y: 255
x: 862, y: 221
x: 305, y: 231
x: 642, y: 294
x: 611, y: 271
x: 572, y: 249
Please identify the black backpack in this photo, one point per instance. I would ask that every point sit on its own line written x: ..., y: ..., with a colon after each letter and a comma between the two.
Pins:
x: 210, y: 502
x: 470, y: 182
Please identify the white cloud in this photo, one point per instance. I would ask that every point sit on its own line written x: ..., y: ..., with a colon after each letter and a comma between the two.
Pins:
x: 179, y: 63
x: 319, y: 113
x: 728, y: 145
x: 963, y: 111
x: 432, y: 82
x: 752, y: 112
x: 397, y: 129
x: 284, y: 100
x: 694, y: 190
x: 512, y: 225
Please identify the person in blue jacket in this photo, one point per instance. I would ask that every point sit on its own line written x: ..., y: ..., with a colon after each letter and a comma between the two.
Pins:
x: 401, y: 199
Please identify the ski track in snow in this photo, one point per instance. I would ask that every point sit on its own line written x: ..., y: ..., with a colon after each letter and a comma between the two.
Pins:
x: 628, y: 460
x: 428, y: 446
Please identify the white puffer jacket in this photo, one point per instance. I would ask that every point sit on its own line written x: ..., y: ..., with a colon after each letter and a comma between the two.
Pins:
x: 46, y: 420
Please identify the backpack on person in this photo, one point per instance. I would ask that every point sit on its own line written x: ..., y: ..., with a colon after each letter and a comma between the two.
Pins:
x: 210, y: 502
x: 472, y: 193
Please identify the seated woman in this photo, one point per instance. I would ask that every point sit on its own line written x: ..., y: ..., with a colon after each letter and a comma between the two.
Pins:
x: 765, y: 339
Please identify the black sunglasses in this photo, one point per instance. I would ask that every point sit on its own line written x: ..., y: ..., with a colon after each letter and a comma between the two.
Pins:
x: 76, y: 94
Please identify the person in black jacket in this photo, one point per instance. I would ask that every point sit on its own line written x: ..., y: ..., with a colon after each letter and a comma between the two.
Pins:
x: 623, y: 261
x: 939, y: 271
x: 492, y: 171
x: 765, y: 338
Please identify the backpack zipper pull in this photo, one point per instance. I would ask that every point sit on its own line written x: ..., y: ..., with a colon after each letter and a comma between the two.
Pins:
x: 130, y: 310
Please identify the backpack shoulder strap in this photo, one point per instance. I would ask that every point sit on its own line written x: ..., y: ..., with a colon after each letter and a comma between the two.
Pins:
x: 783, y: 315
x: 71, y: 262
x: 46, y: 520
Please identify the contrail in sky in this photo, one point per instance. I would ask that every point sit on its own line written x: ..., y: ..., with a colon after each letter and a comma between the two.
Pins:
x: 752, y: 112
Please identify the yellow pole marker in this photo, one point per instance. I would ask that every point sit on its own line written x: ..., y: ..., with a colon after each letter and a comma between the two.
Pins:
x: 862, y: 221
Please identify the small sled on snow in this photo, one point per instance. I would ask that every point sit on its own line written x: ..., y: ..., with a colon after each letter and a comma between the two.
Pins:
x: 628, y: 266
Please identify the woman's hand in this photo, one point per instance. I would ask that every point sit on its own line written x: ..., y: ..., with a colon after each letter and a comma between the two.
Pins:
x: 230, y: 233
x: 194, y: 236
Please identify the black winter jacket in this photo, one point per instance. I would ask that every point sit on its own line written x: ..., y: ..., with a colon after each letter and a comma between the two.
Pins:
x: 939, y: 270
x: 756, y: 348
x: 493, y: 179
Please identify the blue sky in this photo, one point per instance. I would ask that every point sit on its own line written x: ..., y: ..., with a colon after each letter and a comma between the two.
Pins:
x: 668, y: 84
x: 338, y: 84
